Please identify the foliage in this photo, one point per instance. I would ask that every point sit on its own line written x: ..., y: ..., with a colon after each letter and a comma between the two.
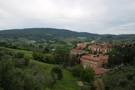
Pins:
x: 13, y: 77
x: 67, y: 83
x: 122, y: 55
x: 43, y: 57
x: 77, y: 70
x: 88, y: 75
x: 62, y: 52
x: 46, y: 50
x: 88, y: 87
x: 121, y: 78
x: 58, y: 71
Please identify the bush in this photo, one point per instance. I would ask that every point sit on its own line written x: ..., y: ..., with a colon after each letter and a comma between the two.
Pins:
x: 58, y: 71
x: 19, y: 55
x: 77, y: 70
x: 26, y: 61
x: 130, y: 75
x: 88, y: 75
x: 123, y: 82
x: 88, y: 87
x: 18, y: 62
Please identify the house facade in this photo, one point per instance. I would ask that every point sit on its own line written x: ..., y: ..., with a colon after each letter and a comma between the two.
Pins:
x: 93, y: 61
x: 75, y: 52
x: 99, y: 72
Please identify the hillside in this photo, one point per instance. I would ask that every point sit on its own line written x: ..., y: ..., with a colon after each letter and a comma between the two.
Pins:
x: 69, y: 82
x: 42, y: 33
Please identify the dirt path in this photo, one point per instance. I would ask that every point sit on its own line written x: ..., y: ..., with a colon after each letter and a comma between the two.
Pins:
x: 99, y: 84
x: 102, y: 83
x: 96, y: 85
x: 80, y: 83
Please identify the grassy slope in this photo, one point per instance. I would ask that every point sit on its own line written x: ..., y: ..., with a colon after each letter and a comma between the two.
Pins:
x: 67, y: 83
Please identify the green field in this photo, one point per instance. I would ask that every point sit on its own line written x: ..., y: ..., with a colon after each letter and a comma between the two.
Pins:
x: 69, y: 82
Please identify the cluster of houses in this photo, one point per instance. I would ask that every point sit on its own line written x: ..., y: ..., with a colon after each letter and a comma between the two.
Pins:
x: 97, y: 47
x: 96, y: 61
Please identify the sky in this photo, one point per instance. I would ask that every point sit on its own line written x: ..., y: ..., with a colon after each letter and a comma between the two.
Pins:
x: 93, y: 16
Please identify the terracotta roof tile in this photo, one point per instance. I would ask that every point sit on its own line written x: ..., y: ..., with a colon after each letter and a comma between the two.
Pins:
x: 92, y: 58
x: 99, y: 71
x: 79, y: 51
x: 105, y: 57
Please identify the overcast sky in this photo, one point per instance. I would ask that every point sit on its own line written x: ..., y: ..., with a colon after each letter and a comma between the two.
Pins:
x: 94, y: 16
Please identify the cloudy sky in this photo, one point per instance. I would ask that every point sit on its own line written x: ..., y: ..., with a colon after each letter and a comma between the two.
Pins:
x: 94, y: 16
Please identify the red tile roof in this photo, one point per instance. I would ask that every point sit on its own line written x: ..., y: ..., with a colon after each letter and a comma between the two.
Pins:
x: 81, y: 47
x: 105, y: 57
x: 91, y: 58
x: 99, y: 71
x: 82, y: 51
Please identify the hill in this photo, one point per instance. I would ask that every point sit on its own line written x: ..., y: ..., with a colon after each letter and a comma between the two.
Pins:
x: 69, y: 82
x: 40, y: 35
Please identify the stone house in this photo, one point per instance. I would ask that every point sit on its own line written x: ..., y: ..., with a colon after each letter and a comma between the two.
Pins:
x: 75, y: 52
x: 99, y: 72
x: 94, y: 61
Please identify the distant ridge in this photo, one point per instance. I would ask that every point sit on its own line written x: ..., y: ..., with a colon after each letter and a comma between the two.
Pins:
x: 43, y: 32
x: 53, y: 32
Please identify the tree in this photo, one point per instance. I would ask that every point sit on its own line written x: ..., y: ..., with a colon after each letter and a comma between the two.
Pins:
x: 58, y: 71
x: 6, y: 66
x: 31, y: 83
x: 46, y: 50
x: 38, y: 56
x: 123, y: 82
x: 61, y: 51
x: 77, y: 70
x: 88, y: 75
x: 73, y: 60
x: 57, y: 59
x: 19, y: 55
x: 66, y: 60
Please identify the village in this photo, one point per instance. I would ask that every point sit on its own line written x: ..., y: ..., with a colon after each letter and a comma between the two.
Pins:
x: 93, y: 54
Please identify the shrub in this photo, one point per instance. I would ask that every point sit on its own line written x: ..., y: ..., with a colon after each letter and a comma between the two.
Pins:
x: 58, y: 71
x: 123, y: 82
x: 26, y: 61
x: 76, y: 70
x: 19, y: 55
x: 88, y: 75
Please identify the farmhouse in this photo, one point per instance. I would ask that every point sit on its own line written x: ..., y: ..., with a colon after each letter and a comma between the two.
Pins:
x: 99, y: 71
x: 75, y: 52
x: 94, y: 61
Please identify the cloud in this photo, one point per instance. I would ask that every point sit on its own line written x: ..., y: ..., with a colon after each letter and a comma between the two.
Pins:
x: 128, y: 28
x: 94, y: 16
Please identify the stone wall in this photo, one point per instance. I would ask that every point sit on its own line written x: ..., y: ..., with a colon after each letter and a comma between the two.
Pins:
x: 92, y: 63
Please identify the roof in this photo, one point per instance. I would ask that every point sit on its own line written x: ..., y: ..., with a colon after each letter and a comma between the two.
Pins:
x: 91, y: 58
x: 99, y: 71
x: 82, y: 51
x: 81, y: 46
x: 105, y: 57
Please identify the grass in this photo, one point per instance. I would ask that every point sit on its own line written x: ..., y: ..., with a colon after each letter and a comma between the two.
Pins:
x: 44, y: 67
x: 69, y: 82
x: 99, y: 85
x: 26, y: 53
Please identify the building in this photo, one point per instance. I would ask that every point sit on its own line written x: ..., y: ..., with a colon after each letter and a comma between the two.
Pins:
x: 99, y: 48
x: 75, y: 52
x: 99, y: 72
x: 81, y: 47
x: 94, y: 61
